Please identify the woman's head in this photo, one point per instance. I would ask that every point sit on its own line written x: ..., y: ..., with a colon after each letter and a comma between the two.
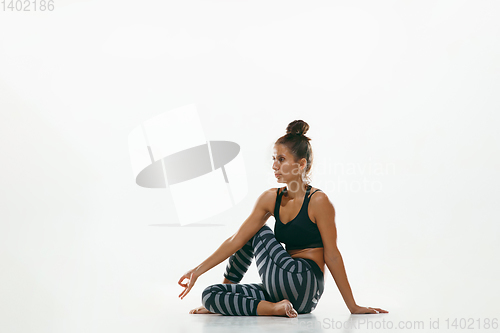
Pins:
x: 293, y: 154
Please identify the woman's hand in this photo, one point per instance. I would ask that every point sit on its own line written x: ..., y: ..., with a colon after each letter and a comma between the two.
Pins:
x: 366, y: 310
x: 192, y: 275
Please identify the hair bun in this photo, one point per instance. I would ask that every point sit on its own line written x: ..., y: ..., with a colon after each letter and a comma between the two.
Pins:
x: 297, y: 127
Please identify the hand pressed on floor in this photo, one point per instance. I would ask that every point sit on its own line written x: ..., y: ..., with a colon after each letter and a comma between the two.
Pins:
x: 367, y: 310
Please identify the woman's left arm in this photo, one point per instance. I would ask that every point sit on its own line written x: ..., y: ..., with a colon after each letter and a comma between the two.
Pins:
x: 324, y: 214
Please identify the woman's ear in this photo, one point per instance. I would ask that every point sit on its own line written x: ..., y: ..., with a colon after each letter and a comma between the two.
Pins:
x: 303, y: 164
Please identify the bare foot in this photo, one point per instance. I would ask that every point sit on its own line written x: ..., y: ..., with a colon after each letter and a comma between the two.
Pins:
x: 200, y: 310
x: 285, y: 308
x: 226, y: 281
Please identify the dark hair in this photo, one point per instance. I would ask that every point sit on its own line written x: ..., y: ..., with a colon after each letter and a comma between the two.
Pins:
x: 298, y: 144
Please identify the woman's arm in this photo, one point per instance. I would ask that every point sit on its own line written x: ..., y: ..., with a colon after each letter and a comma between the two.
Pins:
x: 336, y: 266
x: 227, y: 248
x: 247, y: 230
x: 324, y: 214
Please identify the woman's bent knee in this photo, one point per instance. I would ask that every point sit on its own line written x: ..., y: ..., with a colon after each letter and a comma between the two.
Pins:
x: 212, y: 288
x: 207, y: 291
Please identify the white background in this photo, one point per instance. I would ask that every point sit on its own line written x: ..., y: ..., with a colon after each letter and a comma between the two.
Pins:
x: 407, y: 86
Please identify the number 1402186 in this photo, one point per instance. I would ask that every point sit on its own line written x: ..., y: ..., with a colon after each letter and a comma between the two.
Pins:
x: 27, y: 5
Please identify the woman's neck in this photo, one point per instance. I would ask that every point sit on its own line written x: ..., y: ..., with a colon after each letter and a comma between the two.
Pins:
x: 296, y: 191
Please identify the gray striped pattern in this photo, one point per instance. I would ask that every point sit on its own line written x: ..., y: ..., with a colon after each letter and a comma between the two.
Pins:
x: 283, y: 277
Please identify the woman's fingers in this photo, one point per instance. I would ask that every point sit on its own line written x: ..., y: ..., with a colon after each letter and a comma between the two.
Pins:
x: 191, y: 280
x: 368, y: 310
x: 186, y: 291
x: 380, y: 310
x: 187, y: 288
x: 377, y: 310
x: 185, y: 285
x: 181, y: 279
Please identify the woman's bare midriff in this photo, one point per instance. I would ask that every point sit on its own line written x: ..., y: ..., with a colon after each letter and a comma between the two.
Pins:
x: 315, y: 254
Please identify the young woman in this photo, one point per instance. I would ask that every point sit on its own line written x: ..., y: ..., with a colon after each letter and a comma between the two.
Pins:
x: 292, y: 279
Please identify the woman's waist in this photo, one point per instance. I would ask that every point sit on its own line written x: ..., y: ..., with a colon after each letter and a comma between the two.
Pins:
x: 315, y: 254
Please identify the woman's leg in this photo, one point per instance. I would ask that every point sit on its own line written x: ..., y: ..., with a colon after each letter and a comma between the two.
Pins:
x: 283, y: 277
x: 239, y: 262
x: 243, y: 300
x: 234, y: 299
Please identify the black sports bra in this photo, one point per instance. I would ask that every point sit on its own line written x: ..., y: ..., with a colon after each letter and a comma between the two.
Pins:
x: 301, y: 232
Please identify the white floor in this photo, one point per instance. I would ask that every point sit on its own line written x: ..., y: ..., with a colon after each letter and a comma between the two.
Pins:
x: 117, y: 277
x: 329, y: 316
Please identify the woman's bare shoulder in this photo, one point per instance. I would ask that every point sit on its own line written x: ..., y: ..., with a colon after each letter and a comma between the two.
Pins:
x: 319, y: 200
x: 318, y: 194
x: 268, y: 199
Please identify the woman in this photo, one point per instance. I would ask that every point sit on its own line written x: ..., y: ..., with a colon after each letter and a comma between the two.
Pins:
x: 292, y: 279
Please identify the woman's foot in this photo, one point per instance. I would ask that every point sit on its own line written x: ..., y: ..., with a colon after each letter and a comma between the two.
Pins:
x: 200, y: 310
x: 226, y: 281
x: 285, y: 308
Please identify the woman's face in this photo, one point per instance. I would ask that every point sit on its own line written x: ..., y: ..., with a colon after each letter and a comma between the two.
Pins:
x: 286, y: 170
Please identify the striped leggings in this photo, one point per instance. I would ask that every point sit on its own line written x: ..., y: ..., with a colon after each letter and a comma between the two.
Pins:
x: 299, y: 280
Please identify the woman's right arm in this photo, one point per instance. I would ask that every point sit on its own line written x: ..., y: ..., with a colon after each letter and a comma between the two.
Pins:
x: 247, y: 230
